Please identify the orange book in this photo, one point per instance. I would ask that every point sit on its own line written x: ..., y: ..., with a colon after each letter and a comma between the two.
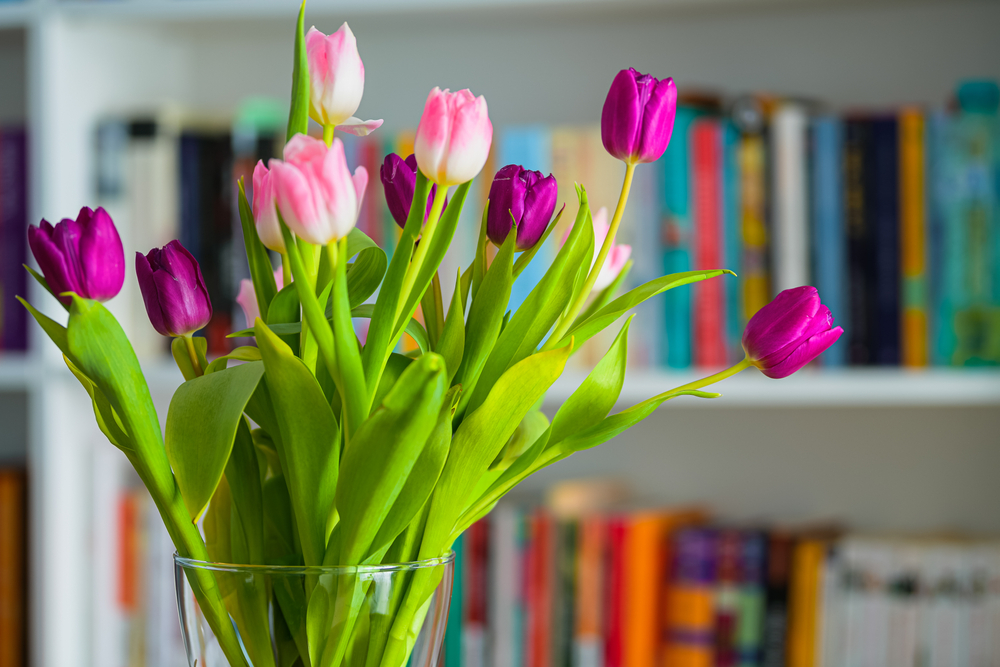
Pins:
x: 689, y: 604
x: 12, y: 569
x: 913, y: 237
x: 590, y: 588
x: 804, y: 603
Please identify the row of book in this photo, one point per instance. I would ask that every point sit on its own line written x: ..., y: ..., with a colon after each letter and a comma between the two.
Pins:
x: 13, y: 237
x: 664, y: 588
x: 13, y: 568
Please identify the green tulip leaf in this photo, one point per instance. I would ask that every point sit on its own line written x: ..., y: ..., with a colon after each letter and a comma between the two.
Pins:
x: 298, y: 114
x: 394, y: 367
x: 55, y: 331
x: 245, y: 353
x: 284, y: 309
x: 202, y: 421
x: 365, y: 273
x: 534, y: 424
x: 261, y: 273
x: 217, y: 526
x: 107, y: 420
x: 307, y: 438
x: 279, y: 524
x: 353, y: 391
x: 451, y: 345
x: 243, y: 474
x: 44, y: 283
x: 606, y: 294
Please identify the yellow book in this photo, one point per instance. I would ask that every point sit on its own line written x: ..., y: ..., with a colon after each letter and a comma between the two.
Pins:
x: 753, y: 189
x: 913, y: 237
x: 804, y: 603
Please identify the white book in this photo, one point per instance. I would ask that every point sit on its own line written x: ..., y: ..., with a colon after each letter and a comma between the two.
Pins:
x: 978, y: 563
x: 868, y: 563
x: 504, y: 585
x: 832, y: 644
x: 942, y: 630
x: 904, y: 604
x: 790, y: 196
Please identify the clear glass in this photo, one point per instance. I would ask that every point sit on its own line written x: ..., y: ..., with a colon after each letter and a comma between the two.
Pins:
x: 270, y: 616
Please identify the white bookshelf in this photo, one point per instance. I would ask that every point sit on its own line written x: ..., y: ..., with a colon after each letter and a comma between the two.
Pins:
x: 884, y: 449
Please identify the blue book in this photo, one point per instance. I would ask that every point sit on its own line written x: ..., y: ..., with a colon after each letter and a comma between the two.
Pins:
x: 13, y: 237
x: 939, y: 190
x: 732, y: 239
x: 884, y: 215
x: 529, y: 146
x: 829, y: 235
x: 453, y: 631
x: 676, y: 165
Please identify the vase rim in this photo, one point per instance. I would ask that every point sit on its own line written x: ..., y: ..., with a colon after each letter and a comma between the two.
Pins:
x: 194, y: 564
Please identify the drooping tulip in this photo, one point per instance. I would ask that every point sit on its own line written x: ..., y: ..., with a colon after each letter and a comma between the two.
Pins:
x: 789, y: 332
x: 453, y: 137
x: 314, y: 190
x: 638, y: 116
x: 265, y: 213
x: 83, y: 256
x: 522, y: 196
x: 617, y: 257
x: 173, y: 290
x: 399, y: 178
x: 336, y: 80
x: 247, y: 298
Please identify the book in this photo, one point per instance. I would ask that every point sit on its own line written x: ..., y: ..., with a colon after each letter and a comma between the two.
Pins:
x: 804, y: 622
x: 780, y: 545
x: 614, y: 577
x: 538, y: 596
x: 588, y: 641
x: 883, y: 211
x: 475, y: 590
x: 913, y: 237
x: 790, y: 196
x: 753, y: 204
x: 828, y: 232
x: 505, y: 574
x: 860, y: 242
x: 732, y: 241
x: 690, y: 610
x: 13, y: 237
x: 452, y: 652
x: 709, y: 306
x: 564, y: 592
x: 13, y: 568
x: 751, y: 600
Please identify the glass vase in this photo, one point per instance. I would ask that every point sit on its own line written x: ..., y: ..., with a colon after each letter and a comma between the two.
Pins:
x: 280, y: 616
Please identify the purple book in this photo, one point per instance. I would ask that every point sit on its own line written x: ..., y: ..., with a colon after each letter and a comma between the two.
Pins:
x: 13, y: 237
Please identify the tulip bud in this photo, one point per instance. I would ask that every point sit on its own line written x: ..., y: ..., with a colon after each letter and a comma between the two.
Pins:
x: 315, y: 192
x: 789, y: 332
x: 399, y: 180
x: 638, y: 116
x: 265, y: 213
x: 617, y: 257
x: 453, y: 137
x: 173, y: 290
x: 522, y: 196
x: 83, y: 256
x: 336, y: 80
x: 247, y: 298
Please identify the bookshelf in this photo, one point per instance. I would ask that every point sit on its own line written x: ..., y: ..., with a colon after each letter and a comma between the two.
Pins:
x: 885, y: 449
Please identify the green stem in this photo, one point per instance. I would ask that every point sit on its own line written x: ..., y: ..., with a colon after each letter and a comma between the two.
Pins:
x: 286, y: 271
x: 328, y: 131
x: 422, y: 249
x: 193, y: 354
x: 595, y: 270
x: 718, y: 377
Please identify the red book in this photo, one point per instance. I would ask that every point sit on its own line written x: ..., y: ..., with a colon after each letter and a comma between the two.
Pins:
x: 709, y: 302
x: 538, y: 626
x: 614, y: 643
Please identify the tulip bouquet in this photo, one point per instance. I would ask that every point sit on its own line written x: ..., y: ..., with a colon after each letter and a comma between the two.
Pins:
x: 315, y: 448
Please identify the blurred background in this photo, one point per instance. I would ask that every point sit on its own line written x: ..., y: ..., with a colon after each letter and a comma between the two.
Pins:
x: 844, y: 516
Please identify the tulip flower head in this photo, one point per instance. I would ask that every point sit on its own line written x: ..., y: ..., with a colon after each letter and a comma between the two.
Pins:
x: 318, y: 198
x: 247, y: 298
x: 83, y: 256
x: 789, y: 332
x: 453, y: 137
x: 173, y: 290
x: 638, y: 116
x: 265, y: 212
x: 617, y: 257
x: 336, y: 80
x: 399, y: 180
x: 522, y: 196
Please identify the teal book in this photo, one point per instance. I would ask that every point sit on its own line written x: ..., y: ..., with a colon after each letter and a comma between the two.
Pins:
x: 529, y: 146
x: 677, y: 237
x: 828, y: 232
x: 939, y: 156
x: 732, y: 239
x: 453, y: 632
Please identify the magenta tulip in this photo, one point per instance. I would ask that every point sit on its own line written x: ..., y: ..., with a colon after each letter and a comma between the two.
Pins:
x: 399, y: 179
x: 82, y: 256
x: 789, y: 332
x: 265, y: 212
x: 318, y: 198
x: 522, y: 196
x: 638, y: 116
x: 336, y: 80
x: 173, y: 290
x: 453, y: 137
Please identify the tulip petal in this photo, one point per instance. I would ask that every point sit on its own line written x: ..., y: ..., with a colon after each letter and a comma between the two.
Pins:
x: 247, y: 299
x: 621, y: 116
x: 51, y: 260
x: 804, y: 353
x: 782, y: 322
x: 360, y: 180
x: 471, y: 137
x: 144, y: 275
x: 358, y: 127
x: 102, y: 257
x: 657, y: 122
x: 430, y: 145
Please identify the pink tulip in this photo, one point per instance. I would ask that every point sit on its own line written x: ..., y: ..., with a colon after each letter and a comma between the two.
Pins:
x: 247, y: 298
x: 789, y: 332
x: 265, y: 214
x: 314, y: 190
x: 617, y: 256
x: 453, y: 137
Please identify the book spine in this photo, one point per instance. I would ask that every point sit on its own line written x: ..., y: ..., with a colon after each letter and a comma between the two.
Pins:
x: 676, y: 231
x: 791, y: 212
x: 13, y: 561
x: 709, y: 345
x: 564, y: 594
x: 726, y: 605
x: 828, y: 226
x: 753, y: 210
x: 779, y: 559
x: 538, y: 622
x: 939, y: 191
x: 475, y: 591
x: 690, y: 609
x: 588, y: 648
x: 453, y: 631
x: 804, y: 641
x: 884, y: 214
x: 750, y: 616
x: 504, y: 575
x: 913, y: 237
x: 13, y: 237
x: 732, y: 254
x: 643, y: 564
x: 859, y: 242
x: 614, y: 648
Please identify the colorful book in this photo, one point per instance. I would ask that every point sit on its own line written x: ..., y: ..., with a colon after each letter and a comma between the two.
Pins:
x: 940, y: 189
x: 13, y: 237
x: 883, y: 211
x: 690, y: 609
x: 588, y: 642
x: 750, y: 614
x: 475, y: 590
x: 614, y: 576
x: 453, y: 631
x: 709, y: 306
x: 505, y: 575
x: 860, y: 242
x: 913, y: 237
x: 727, y: 598
x: 564, y: 592
x: 804, y: 623
x: 732, y: 240
x: 828, y: 229
x: 13, y: 560
x: 779, y: 565
x: 539, y: 579
x: 755, y: 276
x: 790, y: 196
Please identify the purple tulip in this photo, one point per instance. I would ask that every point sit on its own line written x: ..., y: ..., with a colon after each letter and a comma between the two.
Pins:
x: 527, y: 197
x: 638, y: 116
x: 399, y: 179
x: 83, y: 256
x: 789, y: 332
x: 173, y: 290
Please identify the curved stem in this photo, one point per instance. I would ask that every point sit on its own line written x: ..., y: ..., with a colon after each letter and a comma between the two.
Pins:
x: 193, y: 354
x: 595, y: 270
x: 328, y: 131
x: 286, y: 270
x: 718, y: 377
x: 418, y: 256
